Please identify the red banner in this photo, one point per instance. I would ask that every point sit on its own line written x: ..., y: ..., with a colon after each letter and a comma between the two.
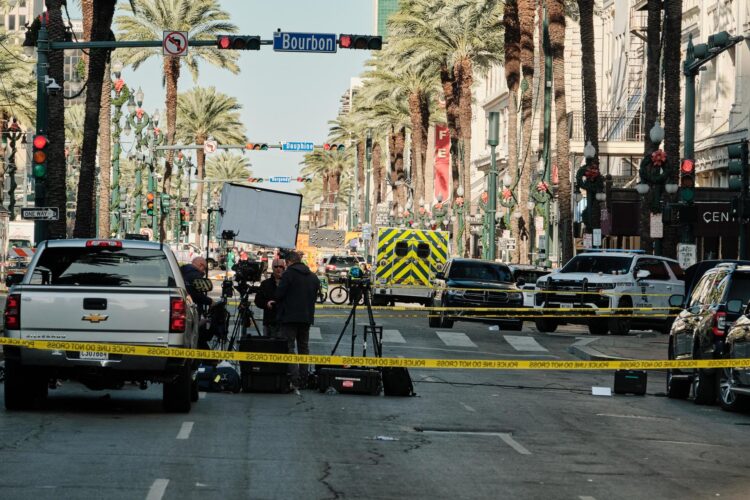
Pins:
x: 442, y: 162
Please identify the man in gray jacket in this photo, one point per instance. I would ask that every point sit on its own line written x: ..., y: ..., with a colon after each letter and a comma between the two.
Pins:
x: 296, y: 296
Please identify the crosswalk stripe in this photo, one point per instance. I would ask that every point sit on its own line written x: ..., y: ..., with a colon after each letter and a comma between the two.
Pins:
x: 520, y: 343
x: 315, y: 333
x: 393, y: 336
x: 456, y: 339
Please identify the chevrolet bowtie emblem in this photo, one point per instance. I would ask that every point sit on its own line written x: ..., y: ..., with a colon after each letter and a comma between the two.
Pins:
x: 95, y: 318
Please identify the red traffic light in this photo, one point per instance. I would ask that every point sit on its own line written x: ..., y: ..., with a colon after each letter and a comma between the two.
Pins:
x: 361, y: 42
x: 40, y: 141
x: 687, y: 167
x: 224, y: 42
x: 150, y: 196
x: 326, y: 146
x: 345, y: 41
x: 333, y: 147
x: 238, y: 42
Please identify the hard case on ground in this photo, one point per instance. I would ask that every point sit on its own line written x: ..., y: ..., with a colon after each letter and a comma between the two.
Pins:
x: 397, y: 382
x: 351, y: 380
x: 264, y: 382
x: 263, y: 377
x: 630, y: 382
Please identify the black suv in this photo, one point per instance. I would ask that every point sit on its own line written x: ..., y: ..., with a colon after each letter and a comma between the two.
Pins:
x: 734, y: 383
x: 469, y: 283
x: 700, y: 330
x: 337, y: 267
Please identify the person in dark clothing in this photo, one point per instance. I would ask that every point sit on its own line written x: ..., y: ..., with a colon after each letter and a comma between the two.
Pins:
x: 296, y: 296
x: 266, y: 300
x: 190, y: 272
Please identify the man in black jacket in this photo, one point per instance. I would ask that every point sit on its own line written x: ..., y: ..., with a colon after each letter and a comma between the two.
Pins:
x: 266, y: 300
x: 190, y: 272
x: 296, y: 296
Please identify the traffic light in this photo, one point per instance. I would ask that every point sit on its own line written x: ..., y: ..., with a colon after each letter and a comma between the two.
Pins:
x: 737, y: 165
x: 238, y: 42
x: 165, y: 202
x: 361, y: 42
x: 150, y: 203
x: 184, y: 218
x: 256, y: 146
x: 40, y: 156
x: 687, y: 180
x: 333, y: 147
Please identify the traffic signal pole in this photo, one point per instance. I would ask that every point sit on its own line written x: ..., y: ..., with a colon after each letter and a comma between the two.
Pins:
x: 43, y: 46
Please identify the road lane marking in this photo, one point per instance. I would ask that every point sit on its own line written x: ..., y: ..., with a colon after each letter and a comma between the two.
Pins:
x: 521, y: 343
x: 202, y: 395
x: 393, y: 336
x: 506, y: 437
x: 586, y: 498
x: 513, y: 443
x: 156, y: 492
x: 582, y: 341
x: 315, y: 333
x: 456, y: 339
x: 468, y: 408
x: 185, y: 430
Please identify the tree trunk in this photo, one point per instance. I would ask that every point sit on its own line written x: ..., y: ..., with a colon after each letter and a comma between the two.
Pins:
x: 55, y: 195
x: 326, y: 189
x: 451, y: 95
x: 672, y: 105
x: 105, y: 157
x: 103, y: 10
x: 377, y: 173
x: 87, y: 13
x: 556, y: 15
x: 465, y: 80
x: 526, y: 13
x: 361, y: 184
x: 200, y: 160
x: 651, y: 103
x: 512, y: 77
x: 419, y: 113
x: 172, y: 74
x: 588, y: 77
x: 399, y: 145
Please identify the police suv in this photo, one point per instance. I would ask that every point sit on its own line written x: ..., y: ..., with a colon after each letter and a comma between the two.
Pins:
x: 609, y: 286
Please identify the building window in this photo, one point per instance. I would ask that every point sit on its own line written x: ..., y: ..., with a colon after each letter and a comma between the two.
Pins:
x: 11, y: 22
x: 21, y: 21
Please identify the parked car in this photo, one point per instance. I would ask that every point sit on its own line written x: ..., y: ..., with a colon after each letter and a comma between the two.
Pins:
x: 471, y: 283
x: 525, y: 278
x: 700, y: 332
x: 600, y: 281
x: 100, y: 291
x: 733, y: 384
x: 337, y: 267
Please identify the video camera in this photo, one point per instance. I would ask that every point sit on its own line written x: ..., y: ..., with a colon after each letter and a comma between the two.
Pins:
x: 357, y: 278
x: 248, y: 271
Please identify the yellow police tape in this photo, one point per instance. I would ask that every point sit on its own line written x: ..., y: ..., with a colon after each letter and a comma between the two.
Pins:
x: 476, y: 364
x: 607, y: 291
x: 503, y: 309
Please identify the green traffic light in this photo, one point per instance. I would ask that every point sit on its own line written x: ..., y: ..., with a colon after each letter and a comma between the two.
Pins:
x: 687, y: 194
x: 39, y: 170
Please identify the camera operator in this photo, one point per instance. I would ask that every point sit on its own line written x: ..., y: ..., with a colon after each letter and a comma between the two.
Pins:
x: 296, y: 296
x: 190, y: 272
x: 265, y: 299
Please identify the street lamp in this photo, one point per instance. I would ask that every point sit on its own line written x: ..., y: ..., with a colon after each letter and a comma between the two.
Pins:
x: 654, y: 179
x: 121, y: 96
x: 11, y: 134
x: 458, y: 210
x: 493, y: 139
x: 589, y: 177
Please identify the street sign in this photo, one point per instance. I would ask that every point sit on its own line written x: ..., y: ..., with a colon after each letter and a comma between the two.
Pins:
x: 280, y: 178
x: 175, y: 43
x: 297, y: 146
x: 686, y: 254
x: 41, y: 213
x: 587, y: 240
x: 366, y: 232
x: 656, y: 229
x: 320, y: 43
x: 506, y: 244
x: 327, y: 205
x: 210, y: 146
x: 597, y: 237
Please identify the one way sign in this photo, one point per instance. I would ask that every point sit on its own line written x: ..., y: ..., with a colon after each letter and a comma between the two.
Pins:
x: 41, y: 213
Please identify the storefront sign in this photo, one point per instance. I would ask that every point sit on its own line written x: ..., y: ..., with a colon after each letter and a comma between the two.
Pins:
x: 442, y: 162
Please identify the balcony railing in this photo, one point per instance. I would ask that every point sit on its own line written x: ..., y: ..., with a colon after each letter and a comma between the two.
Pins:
x: 613, y: 127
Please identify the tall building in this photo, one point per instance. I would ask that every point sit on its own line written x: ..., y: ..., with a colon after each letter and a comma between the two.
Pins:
x: 14, y: 19
x: 383, y: 10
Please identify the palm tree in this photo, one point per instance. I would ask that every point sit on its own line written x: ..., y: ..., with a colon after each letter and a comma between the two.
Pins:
x: 204, y: 112
x: 651, y: 100
x: 672, y: 106
x: 512, y: 41
x: 556, y: 14
x: 204, y: 19
x: 101, y: 12
x: 226, y: 167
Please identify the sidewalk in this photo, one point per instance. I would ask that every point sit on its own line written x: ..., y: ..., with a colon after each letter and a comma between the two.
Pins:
x: 638, y: 345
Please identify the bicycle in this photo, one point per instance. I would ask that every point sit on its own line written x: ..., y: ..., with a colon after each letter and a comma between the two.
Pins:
x: 323, y: 290
x: 340, y: 295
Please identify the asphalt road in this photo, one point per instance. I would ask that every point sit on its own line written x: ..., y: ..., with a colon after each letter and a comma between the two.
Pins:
x: 468, y: 434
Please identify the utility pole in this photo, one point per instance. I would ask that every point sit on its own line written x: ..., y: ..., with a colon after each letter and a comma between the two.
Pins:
x: 546, y: 152
x: 493, y: 139
x: 42, y: 65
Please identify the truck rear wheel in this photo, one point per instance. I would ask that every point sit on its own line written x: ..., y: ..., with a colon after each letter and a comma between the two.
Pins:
x: 177, y: 394
x: 545, y: 325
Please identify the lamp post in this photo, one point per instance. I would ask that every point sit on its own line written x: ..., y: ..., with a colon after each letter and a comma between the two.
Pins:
x: 11, y: 134
x: 541, y: 194
x: 589, y: 177
x: 654, y: 178
x: 154, y: 137
x: 180, y: 162
x: 121, y: 96
x: 493, y: 139
x: 458, y: 211
x: 507, y: 200
x: 368, y: 172
x: 136, y: 122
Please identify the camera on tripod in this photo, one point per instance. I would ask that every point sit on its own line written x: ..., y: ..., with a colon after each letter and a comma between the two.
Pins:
x: 357, y: 278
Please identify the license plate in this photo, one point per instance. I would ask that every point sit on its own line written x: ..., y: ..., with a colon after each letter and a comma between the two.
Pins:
x: 343, y: 273
x: 93, y: 355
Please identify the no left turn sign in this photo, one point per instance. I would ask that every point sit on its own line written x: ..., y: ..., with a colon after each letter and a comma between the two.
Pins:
x: 175, y: 43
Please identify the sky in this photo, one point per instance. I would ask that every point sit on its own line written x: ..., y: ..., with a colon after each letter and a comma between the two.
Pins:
x: 285, y: 97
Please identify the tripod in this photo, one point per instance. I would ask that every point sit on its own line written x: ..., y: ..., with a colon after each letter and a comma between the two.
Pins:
x: 360, y: 289
x: 245, y: 317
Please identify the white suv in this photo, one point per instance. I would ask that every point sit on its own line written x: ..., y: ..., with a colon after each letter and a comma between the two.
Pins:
x: 607, y: 285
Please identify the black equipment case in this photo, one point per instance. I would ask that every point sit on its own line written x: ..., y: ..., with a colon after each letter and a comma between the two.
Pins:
x: 263, y: 377
x: 397, y: 382
x: 630, y: 382
x: 350, y: 380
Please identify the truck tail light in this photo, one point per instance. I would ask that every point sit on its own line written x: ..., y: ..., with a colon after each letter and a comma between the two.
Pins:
x: 177, y: 315
x: 720, y: 324
x: 330, y: 268
x: 104, y: 243
x: 13, y: 312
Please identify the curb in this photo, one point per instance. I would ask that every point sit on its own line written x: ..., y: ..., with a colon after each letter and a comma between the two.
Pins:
x: 587, y: 353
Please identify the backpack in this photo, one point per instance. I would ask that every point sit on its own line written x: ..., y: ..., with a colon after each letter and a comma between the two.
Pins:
x: 220, y: 378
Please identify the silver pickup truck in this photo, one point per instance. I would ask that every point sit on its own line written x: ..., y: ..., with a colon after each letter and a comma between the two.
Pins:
x: 107, y: 291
